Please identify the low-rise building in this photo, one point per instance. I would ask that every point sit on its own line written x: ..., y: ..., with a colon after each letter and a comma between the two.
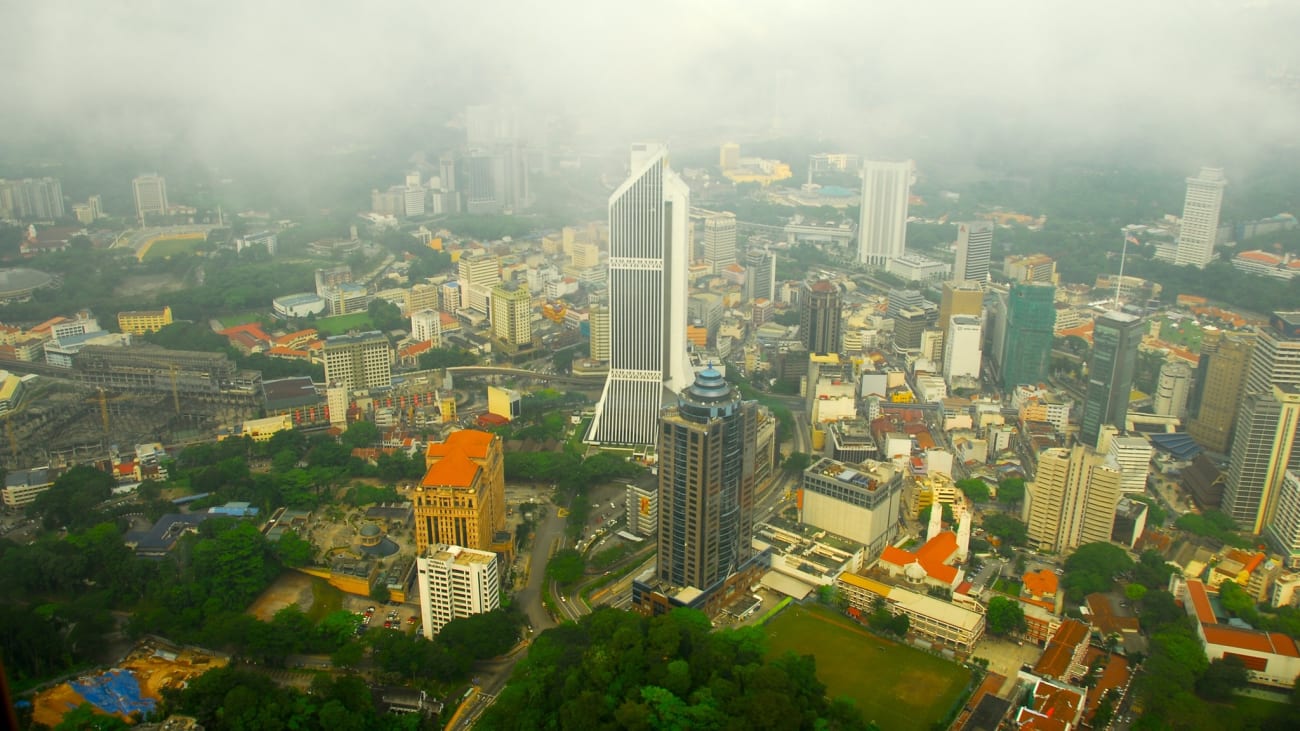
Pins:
x: 1271, y: 658
x: 22, y: 486
x: 941, y: 622
x: 139, y: 322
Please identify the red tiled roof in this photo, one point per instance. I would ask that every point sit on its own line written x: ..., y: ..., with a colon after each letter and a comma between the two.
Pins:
x: 1263, y: 257
x: 1055, y: 661
x: 1200, y: 600
x: 1245, y: 639
x: 1041, y: 583
x: 930, y: 556
x: 48, y: 324
x: 283, y: 352
x: 471, y: 442
x: 414, y: 349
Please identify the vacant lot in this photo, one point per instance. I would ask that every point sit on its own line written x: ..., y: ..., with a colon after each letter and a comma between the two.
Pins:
x: 291, y: 588
x: 895, y: 686
x: 341, y: 324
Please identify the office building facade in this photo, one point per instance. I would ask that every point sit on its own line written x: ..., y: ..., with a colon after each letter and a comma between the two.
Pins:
x: 358, y: 361
x: 962, y: 354
x: 1027, y: 338
x: 706, y: 484
x: 974, y: 251
x: 1200, y: 222
x: 1071, y: 500
x: 819, y: 317
x: 719, y: 241
x: 1225, y: 358
x: 882, y: 231
x: 1115, y: 339
x: 38, y: 199
x: 456, y: 582
x: 150, y: 196
x: 649, y: 254
x: 512, y: 313
x: 461, y: 499
x: 426, y: 327
x: 760, y: 275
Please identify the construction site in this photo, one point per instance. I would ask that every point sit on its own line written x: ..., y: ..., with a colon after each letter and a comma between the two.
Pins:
x: 135, y: 685
x: 124, y: 396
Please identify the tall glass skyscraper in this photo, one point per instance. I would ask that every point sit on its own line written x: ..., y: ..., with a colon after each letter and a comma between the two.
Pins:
x: 1115, y: 339
x: 706, y: 484
x: 1027, y: 347
x: 649, y: 254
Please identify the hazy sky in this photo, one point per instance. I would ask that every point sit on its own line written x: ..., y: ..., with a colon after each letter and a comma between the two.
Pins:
x: 874, y: 76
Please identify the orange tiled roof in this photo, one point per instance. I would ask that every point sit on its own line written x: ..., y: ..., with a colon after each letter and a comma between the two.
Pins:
x: 471, y: 442
x: 1055, y: 661
x: 930, y: 556
x: 283, y: 352
x: 1084, y: 331
x: 1245, y: 639
x: 414, y: 349
x: 253, y: 329
x: 1200, y: 600
x: 1041, y: 583
x: 453, y: 470
x: 48, y: 324
x: 1263, y: 257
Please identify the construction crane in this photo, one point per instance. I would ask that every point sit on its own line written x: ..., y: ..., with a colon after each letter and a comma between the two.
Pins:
x: 103, y: 408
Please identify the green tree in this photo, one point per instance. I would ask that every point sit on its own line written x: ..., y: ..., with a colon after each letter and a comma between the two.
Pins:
x: 796, y: 463
x: 435, y: 358
x: 1094, y: 567
x: 1222, y: 678
x: 379, y: 592
x: 1135, y: 592
x: 1010, y: 531
x: 975, y: 489
x: 1005, y: 616
x: 360, y: 434
x: 86, y: 718
x: 292, y: 550
x: 565, y: 567
x: 73, y: 500
x: 1011, y: 490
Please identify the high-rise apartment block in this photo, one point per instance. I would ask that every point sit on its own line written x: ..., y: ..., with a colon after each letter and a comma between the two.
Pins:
x: 150, y: 196
x: 426, y: 327
x: 706, y: 484
x: 882, y: 233
x: 38, y: 199
x: 456, y: 582
x: 598, y: 321
x: 358, y: 361
x: 649, y: 253
x: 1200, y: 223
x: 974, y: 251
x: 1283, y: 531
x: 512, y: 313
x: 1027, y: 342
x: 462, y: 498
x: 1225, y: 358
x: 1115, y: 339
x: 819, y: 317
x: 719, y: 241
x: 1071, y: 500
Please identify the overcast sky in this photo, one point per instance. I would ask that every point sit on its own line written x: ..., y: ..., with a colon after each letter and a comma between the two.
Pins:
x: 871, y: 76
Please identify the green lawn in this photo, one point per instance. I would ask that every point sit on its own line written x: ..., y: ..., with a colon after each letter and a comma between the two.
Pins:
x: 896, y: 686
x: 341, y: 324
x: 242, y: 318
x: 163, y: 248
x: 1181, y: 333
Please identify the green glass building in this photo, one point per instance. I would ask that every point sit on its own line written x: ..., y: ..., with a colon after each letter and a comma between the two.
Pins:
x: 1027, y: 347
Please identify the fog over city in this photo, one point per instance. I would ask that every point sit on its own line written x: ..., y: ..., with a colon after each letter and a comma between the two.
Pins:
x: 885, y: 78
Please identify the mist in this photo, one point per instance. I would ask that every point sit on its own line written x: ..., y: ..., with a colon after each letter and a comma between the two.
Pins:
x: 1192, y: 82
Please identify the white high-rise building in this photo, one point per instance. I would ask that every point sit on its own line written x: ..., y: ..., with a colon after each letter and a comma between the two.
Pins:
x: 1133, y: 455
x: 1173, y: 388
x: 961, y: 352
x: 478, y: 274
x: 719, y: 241
x: 359, y: 361
x: 426, y: 327
x: 1200, y: 222
x: 456, y: 582
x: 1071, y: 500
x: 974, y: 250
x: 649, y: 254
x: 150, y: 195
x: 882, y: 233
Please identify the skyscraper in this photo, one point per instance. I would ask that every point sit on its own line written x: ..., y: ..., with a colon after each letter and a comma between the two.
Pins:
x: 706, y: 484
x: 1200, y: 222
x: 1115, y: 339
x: 882, y: 233
x: 36, y: 198
x: 1027, y: 343
x: 961, y: 348
x: 150, y: 195
x: 1225, y: 358
x: 649, y: 253
x: 959, y: 298
x: 719, y: 241
x: 598, y: 321
x: 1172, y: 389
x: 462, y: 498
x: 760, y: 274
x: 1266, y: 430
x: 974, y: 250
x: 456, y: 582
x: 1071, y: 500
x: 819, y: 317
x: 512, y: 311
x: 359, y: 361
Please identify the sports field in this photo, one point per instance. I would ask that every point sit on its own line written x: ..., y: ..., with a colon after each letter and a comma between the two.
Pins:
x: 896, y: 686
x: 341, y: 324
x: 163, y: 248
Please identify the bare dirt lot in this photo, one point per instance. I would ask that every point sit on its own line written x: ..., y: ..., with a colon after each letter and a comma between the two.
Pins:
x: 291, y: 588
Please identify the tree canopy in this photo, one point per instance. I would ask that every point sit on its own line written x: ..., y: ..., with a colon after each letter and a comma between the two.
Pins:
x: 1092, y: 568
x: 1005, y: 616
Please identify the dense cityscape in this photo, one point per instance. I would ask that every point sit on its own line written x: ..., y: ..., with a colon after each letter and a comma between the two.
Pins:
x: 532, y: 414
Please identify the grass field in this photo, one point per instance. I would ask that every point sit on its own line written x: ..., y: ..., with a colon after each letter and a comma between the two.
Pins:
x: 163, y: 248
x: 340, y: 324
x: 242, y: 318
x: 896, y: 686
x: 1181, y: 333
